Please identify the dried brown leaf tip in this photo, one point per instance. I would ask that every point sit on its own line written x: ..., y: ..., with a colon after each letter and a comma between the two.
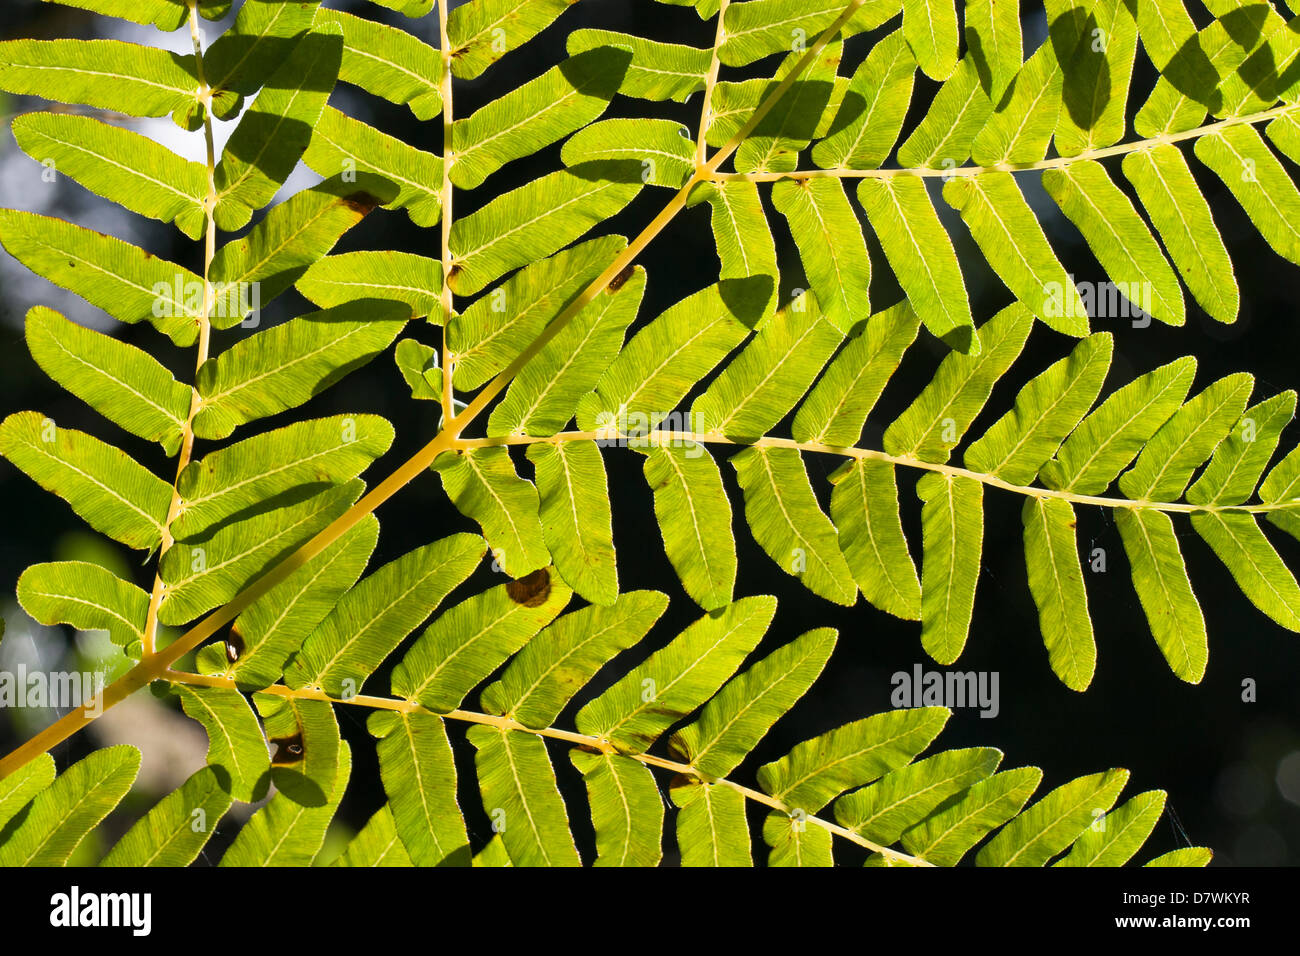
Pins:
x: 361, y: 202
x: 532, y: 590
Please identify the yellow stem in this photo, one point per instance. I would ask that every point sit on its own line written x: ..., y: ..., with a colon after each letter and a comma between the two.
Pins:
x: 1058, y: 162
x: 149, y: 639
x: 448, y: 160
x: 569, y: 737
x: 681, y: 438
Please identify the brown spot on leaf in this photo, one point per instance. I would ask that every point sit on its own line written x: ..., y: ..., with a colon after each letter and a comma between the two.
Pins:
x: 531, y: 590
x: 234, y: 645
x: 361, y: 202
x: 620, y: 280
x: 287, y: 750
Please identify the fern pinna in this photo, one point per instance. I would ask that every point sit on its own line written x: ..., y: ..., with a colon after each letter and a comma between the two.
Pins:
x: 263, y: 544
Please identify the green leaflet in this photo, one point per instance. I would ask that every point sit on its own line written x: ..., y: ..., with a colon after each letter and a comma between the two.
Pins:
x: 1108, y: 439
x: 236, y: 747
x: 399, y: 276
x: 411, y: 8
x: 1096, y: 80
x: 817, y: 770
x: 1160, y: 578
x: 534, y: 220
x: 738, y: 716
x: 930, y: 27
x: 274, y: 626
x: 574, y: 508
x: 993, y: 37
x: 419, y: 774
x: 1267, y: 74
x: 17, y: 789
x: 871, y: 115
x: 904, y: 220
x: 756, y: 29
x: 242, y: 476
x: 341, y: 144
x: 1056, y: 582
x: 933, y: 424
x: 1054, y: 822
x: 120, y: 165
x: 905, y: 797
x: 673, y: 681
x: 111, y: 492
x: 87, y: 596
x: 1008, y: 234
x: 834, y: 255
x: 952, y: 525
x: 1047, y: 409
x: 1240, y: 459
x: 305, y: 734
x: 1118, y: 237
x: 377, y: 614
x: 1187, y: 856
x: 123, y: 280
x: 166, y: 15
x: 836, y: 410
x: 494, y: 854
x: 752, y: 31
x: 541, y: 398
x: 794, y: 843
x: 1165, y: 28
x: 418, y: 364
x: 204, y: 573
x: 263, y: 36
x: 1120, y: 836
x: 284, y: 366
x: 1182, y: 217
x: 108, y: 74
x: 483, y: 31
x: 1255, y: 565
x: 377, y: 844
x: 662, y: 147
x: 1259, y: 182
x: 1184, y: 95
x: 483, y: 485
x: 792, y: 122
x: 658, y: 71
x: 471, y: 640
x: 626, y: 809
x: 958, y: 111
x: 761, y: 384
x: 488, y: 335
x: 742, y: 235
x: 124, y: 384
x: 388, y: 62
x: 293, y: 235
x: 543, y: 677
x: 664, y: 360
x: 694, y: 515
x: 285, y: 833
x: 273, y: 134
x: 542, y: 111
x: 788, y: 523
x: 711, y: 826
x: 520, y: 796
x: 945, y: 837
x: 865, y: 511
x: 62, y: 814
x: 1021, y: 126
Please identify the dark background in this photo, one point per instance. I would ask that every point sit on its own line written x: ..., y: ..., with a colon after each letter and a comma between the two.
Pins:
x: 1223, y: 761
